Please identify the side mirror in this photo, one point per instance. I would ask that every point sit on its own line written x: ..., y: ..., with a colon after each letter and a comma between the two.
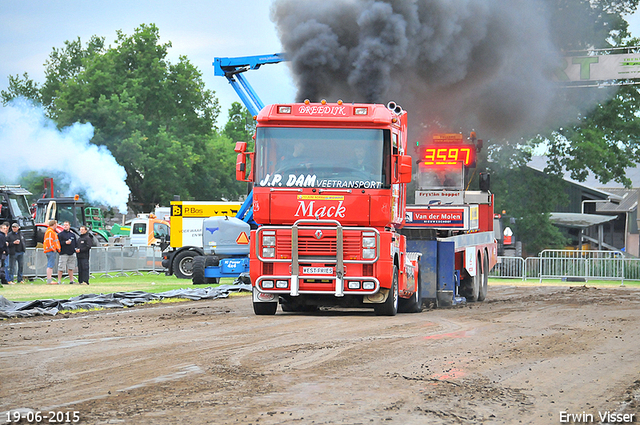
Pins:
x: 241, y: 147
x: 404, y: 168
x: 241, y: 166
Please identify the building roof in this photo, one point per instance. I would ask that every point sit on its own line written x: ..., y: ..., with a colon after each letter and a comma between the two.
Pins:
x: 628, y: 203
x: 633, y: 174
x: 625, y: 200
x: 576, y: 220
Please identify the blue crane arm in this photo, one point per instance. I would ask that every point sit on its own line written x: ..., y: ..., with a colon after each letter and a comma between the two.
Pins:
x: 232, y: 69
x: 246, y: 210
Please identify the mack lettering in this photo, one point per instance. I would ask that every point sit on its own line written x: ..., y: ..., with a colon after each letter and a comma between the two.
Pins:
x: 310, y: 210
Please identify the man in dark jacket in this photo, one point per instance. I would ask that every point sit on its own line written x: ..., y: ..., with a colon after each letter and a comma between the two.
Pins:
x: 16, y: 253
x: 82, y: 252
x: 67, y: 258
x: 3, y: 252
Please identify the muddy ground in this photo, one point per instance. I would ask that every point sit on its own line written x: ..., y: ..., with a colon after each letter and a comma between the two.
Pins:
x: 524, y: 355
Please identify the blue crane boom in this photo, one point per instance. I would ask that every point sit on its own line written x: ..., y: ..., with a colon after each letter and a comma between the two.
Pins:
x: 232, y: 69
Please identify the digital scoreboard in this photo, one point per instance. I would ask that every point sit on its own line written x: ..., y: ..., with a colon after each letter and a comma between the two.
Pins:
x: 448, y: 150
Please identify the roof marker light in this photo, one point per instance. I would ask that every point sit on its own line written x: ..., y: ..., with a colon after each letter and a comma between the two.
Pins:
x: 360, y: 111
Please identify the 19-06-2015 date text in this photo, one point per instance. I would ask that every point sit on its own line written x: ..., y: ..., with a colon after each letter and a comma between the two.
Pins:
x: 41, y: 417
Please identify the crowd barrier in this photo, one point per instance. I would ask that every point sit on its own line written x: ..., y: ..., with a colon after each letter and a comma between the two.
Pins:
x: 116, y: 261
x: 109, y: 261
x: 569, y: 265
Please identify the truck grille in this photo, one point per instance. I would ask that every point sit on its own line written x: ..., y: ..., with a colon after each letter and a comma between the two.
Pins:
x: 309, y: 246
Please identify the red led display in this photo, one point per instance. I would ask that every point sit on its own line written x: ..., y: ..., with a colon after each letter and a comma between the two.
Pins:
x: 445, y: 155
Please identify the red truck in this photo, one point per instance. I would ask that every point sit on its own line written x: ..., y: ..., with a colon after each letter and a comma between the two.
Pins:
x: 330, y: 196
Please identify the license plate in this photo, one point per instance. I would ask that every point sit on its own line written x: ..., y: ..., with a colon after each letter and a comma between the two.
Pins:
x: 317, y: 270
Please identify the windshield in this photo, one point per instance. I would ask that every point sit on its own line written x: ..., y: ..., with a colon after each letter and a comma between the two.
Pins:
x: 19, y: 206
x: 322, y: 157
x: 449, y: 178
x: 70, y: 213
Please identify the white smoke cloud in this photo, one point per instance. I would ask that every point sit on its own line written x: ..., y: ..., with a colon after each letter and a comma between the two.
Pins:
x: 30, y: 141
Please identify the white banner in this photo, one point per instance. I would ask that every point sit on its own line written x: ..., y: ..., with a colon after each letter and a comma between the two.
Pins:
x: 597, y: 68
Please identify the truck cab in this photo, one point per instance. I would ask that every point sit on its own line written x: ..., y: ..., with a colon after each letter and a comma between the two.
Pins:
x: 14, y: 208
x: 148, y: 230
x: 329, y: 192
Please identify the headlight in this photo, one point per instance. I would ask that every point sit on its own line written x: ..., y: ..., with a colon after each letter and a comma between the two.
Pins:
x: 368, y: 242
x: 282, y: 284
x: 267, y: 284
x: 368, y: 285
x: 268, y: 252
x: 369, y: 253
x: 268, y: 241
x: 353, y: 284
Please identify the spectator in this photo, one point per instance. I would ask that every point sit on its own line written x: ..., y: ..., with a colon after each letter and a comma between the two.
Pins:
x: 67, y: 259
x: 3, y: 252
x: 16, y: 254
x: 51, y: 245
x: 6, y: 259
x: 82, y: 251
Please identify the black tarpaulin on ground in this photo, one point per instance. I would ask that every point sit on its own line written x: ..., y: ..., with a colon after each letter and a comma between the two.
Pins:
x: 10, y: 309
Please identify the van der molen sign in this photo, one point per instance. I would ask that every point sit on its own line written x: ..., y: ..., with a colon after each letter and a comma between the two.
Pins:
x: 598, y: 68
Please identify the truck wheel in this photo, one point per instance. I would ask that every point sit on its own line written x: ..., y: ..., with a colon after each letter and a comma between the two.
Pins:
x: 265, y: 309
x: 485, y: 279
x: 413, y: 304
x: 198, y: 270
x: 390, y: 306
x: 470, y: 287
x: 210, y: 261
x: 183, y: 265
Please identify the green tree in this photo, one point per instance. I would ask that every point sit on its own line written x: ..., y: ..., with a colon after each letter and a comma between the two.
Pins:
x: 241, y: 125
x: 21, y: 86
x: 603, y: 141
x: 156, y: 118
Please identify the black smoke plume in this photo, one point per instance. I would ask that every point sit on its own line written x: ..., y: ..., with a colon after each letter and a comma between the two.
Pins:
x: 454, y: 64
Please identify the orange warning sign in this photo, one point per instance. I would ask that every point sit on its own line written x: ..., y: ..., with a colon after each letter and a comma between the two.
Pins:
x: 242, y: 239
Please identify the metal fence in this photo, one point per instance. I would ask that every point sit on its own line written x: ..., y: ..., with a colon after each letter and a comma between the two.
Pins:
x: 110, y: 261
x: 569, y: 265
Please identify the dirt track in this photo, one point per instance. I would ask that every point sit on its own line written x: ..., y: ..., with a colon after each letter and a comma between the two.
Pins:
x: 523, y: 356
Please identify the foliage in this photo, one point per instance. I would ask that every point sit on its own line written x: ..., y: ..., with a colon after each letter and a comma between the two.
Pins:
x: 33, y: 181
x: 529, y: 196
x: 602, y: 141
x: 157, y: 118
x: 241, y: 125
x: 21, y: 86
x: 605, y: 142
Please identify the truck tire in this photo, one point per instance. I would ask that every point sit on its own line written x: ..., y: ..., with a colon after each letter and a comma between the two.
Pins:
x: 390, y: 306
x: 198, y: 271
x: 265, y: 309
x: 183, y: 264
x: 470, y: 288
x: 482, y: 295
x: 413, y: 304
x: 200, y: 263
